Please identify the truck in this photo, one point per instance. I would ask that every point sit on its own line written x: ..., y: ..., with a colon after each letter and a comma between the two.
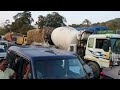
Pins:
x: 21, y: 40
x: 97, y: 50
x: 12, y: 37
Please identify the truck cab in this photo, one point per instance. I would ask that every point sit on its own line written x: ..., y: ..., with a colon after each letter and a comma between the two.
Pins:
x: 102, y: 50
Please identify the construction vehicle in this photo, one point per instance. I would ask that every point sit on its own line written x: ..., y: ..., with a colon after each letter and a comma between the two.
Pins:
x: 12, y: 37
x: 97, y: 50
x: 21, y: 40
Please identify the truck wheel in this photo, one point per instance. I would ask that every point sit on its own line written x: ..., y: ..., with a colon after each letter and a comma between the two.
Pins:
x: 96, y: 69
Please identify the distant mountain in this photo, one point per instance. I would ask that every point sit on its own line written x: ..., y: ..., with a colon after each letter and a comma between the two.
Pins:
x: 112, y: 24
x: 116, y: 20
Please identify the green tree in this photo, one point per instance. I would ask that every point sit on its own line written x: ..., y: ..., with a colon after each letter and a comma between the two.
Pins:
x: 51, y: 20
x: 25, y: 17
x: 2, y: 31
x: 22, y: 22
x: 74, y: 25
x: 7, y: 26
x: 86, y: 22
x: 41, y: 21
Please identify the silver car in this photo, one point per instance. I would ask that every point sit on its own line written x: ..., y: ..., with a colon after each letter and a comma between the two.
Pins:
x: 2, y: 51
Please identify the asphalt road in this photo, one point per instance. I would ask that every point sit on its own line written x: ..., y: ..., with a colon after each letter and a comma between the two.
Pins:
x: 111, y: 72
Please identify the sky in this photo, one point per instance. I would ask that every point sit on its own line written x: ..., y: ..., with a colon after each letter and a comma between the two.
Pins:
x: 72, y: 17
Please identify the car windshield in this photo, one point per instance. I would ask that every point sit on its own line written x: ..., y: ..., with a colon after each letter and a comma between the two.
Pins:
x: 115, y: 44
x: 59, y: 69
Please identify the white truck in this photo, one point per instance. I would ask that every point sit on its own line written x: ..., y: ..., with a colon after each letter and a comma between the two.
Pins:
x: 103, y: 51
x: 98, y: 50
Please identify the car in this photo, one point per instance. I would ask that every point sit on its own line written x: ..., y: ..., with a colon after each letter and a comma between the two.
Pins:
x: 2, y: 42
x: 50, y: 63
x: 7, y: 44
x: 2, y: 37
x: 3, y: 52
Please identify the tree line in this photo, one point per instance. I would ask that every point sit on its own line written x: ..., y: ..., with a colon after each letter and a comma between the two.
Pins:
x: 23, y: 23
x: 113, y: 24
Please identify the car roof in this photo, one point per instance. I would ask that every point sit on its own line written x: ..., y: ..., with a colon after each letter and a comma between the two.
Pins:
x: 35, y: 53
x: 3, y: 41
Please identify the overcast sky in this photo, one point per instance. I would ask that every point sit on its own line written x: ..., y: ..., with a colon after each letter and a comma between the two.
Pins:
x: 72, y: 17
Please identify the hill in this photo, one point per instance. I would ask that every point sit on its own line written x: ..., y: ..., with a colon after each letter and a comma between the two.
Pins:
x: 116, y: 20
x: 112, y: 24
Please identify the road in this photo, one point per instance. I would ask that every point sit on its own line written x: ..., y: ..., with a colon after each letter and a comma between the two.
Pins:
x: 111, y: 72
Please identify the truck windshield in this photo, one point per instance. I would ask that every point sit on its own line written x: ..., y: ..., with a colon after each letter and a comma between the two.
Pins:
x: 59, y: 69
x: 115, y: 44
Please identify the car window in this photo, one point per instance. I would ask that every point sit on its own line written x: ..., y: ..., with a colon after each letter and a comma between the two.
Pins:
x: 2, y: 50
x: 10, y: 57
x: 74, y: 66
x: 59, y: 69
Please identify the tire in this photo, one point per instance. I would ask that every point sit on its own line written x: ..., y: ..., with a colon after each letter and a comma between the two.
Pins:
x: 96, y: 69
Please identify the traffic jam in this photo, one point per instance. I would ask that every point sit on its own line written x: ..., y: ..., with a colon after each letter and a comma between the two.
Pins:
x: 79, y: 55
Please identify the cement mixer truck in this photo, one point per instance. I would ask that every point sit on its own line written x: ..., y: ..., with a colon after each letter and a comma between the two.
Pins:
x: 97, y: 50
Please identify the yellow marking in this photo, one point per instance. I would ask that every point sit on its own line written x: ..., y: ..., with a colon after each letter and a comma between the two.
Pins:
x: 94, y: 59
x: 107, y: 61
